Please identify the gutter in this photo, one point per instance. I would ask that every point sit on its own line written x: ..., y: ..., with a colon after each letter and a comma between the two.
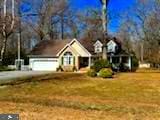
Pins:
x: 42, y: 56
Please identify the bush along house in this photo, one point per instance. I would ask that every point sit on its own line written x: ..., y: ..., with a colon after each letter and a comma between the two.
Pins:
x: 70, y: 55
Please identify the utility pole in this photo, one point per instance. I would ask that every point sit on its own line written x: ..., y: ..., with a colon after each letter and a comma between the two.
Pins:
x: 19, y: 62
x: 19, y: 39
x: 142, y: 51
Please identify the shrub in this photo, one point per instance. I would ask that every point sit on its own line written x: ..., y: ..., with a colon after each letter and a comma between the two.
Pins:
x: 123, y: 68
x: 99, y: 64
x: 74, y: 68
x: 5, y: 68
x: 59, y: 69
x: 92, y: 73
x: 10, y: 56
x: 135, y: 64
x: 115, y: 67
x: 106, y: 73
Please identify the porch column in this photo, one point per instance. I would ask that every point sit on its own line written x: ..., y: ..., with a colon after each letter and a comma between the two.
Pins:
x: 129, y: 62
x: 110, y: 59
x: 120, y: 59
x: 89, y: 62
x: 78, y: 62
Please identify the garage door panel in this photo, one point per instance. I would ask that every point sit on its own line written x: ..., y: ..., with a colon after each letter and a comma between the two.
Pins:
x: 45, y: 65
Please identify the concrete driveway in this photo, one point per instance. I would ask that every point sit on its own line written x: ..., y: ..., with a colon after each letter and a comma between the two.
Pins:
x: 18, y: 74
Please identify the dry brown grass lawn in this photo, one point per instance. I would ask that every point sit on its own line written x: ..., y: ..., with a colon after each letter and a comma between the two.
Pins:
x: 72, y: 96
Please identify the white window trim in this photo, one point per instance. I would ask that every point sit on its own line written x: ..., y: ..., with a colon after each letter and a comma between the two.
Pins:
x: 111, y: 46
x: 98, y: 49
x: 68, y: 59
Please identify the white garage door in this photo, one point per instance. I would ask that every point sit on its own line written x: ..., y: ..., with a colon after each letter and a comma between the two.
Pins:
x: 45, y: 65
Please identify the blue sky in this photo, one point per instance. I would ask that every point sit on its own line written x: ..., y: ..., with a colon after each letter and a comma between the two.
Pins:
x: 116, y: 6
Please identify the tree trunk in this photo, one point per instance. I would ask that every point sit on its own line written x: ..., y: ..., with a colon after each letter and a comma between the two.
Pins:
x: 3, y: 49
x: 104, y: 24
x: 5, y: 33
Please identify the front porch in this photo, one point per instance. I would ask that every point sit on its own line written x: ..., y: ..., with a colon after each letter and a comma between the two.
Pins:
x: 118, y: 60
x: 84, y: 62
x: 69, y: 61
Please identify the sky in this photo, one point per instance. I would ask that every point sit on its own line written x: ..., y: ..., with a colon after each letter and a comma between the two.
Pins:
x: 115, y: 7
x: 114, y: 4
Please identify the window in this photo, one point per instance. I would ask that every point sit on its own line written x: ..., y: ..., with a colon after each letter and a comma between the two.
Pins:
x: 68, y: 58
x: 111, y: 47
x: 98, y: 49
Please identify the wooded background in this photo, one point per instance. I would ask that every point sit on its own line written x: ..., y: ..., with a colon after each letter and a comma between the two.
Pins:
x: 55, y: 19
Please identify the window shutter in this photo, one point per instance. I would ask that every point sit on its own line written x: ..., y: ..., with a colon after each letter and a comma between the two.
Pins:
x: 73, y: 60
x: 62, y: 60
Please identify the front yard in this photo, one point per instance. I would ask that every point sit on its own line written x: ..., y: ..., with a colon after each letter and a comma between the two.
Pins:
x: 67, y: 96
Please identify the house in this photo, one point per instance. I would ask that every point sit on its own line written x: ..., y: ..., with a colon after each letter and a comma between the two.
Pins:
x: 49, y: 55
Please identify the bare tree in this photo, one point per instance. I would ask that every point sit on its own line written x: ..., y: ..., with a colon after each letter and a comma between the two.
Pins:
x: 50, y: 19
x: 125, y: 36
x: 91, y: 25
x: 7, y: 27
x: 143, y: 26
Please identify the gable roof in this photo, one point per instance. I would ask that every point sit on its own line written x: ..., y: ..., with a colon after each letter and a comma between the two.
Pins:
x: 49, y: 47
x: 89, y: 45
x: 53, y: 47
x: 111, y: 42
x: 98, y: 43
x: 115, y: 39
x: 69, y: 44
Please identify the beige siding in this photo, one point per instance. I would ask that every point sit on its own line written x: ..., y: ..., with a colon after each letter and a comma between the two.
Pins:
x: 77, y: 50
x: 80, y: 50
x: 74, y: 54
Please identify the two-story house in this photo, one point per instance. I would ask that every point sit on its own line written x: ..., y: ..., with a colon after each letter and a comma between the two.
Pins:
x: 48, y: 55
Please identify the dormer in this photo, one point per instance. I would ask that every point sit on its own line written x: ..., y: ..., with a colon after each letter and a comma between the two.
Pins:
x: 111, y: 46
x: 98, y: 47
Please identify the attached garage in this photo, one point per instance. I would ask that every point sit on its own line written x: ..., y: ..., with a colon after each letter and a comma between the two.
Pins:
x: 48, y: 55
x: 44, y: 64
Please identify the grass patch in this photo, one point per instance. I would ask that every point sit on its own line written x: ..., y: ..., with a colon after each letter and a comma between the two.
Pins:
x: 127, y: 96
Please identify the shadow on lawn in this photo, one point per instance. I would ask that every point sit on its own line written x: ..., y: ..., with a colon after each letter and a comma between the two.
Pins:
x: 43, y: 78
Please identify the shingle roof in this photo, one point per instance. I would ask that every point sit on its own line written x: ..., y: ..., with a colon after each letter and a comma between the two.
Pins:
x: 52, y: 47
x: 88, y: 45
x: 49, y: 47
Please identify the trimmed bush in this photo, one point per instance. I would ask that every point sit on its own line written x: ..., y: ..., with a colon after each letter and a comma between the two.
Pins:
x: 135, y: 64
x: 105, y: 73
x: 99, y: 64
x: 92, y: 73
